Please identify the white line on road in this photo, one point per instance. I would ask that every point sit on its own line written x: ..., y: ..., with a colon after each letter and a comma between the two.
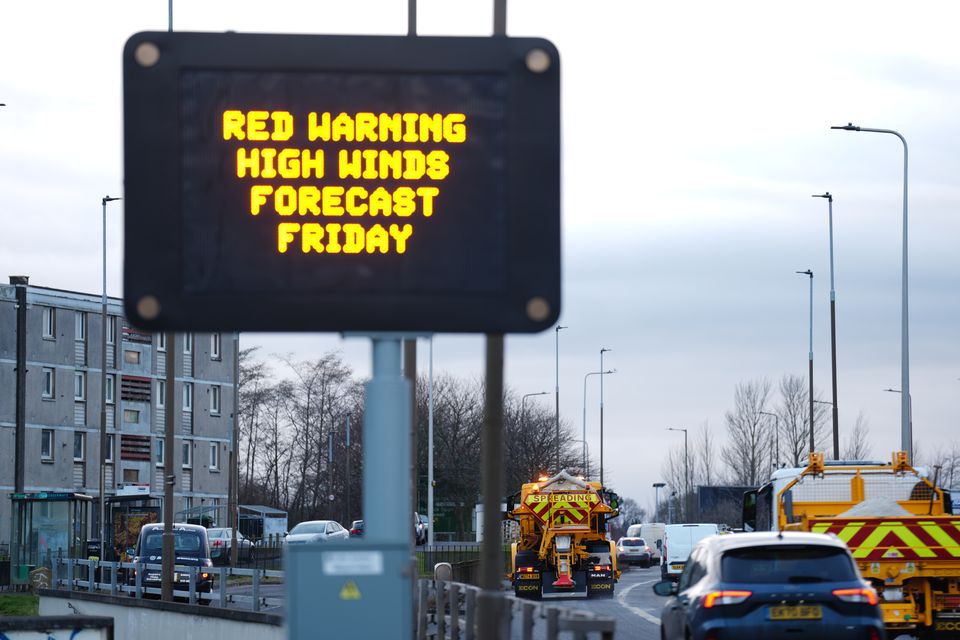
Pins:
x: 622, y: 598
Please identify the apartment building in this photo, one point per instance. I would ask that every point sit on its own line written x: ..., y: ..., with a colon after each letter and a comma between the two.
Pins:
x: 62, y: 408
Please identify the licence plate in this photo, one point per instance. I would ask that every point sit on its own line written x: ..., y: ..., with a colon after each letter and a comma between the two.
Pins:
x: 529, y: 576
x: 798, y: 612
x: 678, y: 567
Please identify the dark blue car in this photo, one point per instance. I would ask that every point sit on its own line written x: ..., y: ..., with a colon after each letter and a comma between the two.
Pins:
x: 769, y: 585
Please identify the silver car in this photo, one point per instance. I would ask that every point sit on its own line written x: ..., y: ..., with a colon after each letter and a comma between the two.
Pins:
x: 316, y: 531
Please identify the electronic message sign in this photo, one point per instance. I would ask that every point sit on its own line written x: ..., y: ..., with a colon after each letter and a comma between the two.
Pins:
x: 341, y: 183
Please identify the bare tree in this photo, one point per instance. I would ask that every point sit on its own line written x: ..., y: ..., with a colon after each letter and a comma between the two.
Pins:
x: 857, y: 444
x: 794, y: 423
x: 747, y: 450
x: 704, y: 457
x: 673, y: 469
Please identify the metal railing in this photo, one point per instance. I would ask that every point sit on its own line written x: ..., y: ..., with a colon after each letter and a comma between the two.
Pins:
x: 116, y: 578
x: 448, y: 610
x: 463, y: 558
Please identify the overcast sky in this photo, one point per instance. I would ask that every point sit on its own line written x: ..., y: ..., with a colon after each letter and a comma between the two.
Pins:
x: 694, y: 135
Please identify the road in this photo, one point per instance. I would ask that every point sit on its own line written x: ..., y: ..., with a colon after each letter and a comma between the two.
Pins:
x: 634, y: 606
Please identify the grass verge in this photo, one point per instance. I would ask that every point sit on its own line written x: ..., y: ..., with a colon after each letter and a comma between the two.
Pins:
x: 19, y: 605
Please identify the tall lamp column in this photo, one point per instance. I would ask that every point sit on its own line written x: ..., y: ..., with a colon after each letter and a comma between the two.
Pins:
x: 103, y: 387
x: 808, y: 272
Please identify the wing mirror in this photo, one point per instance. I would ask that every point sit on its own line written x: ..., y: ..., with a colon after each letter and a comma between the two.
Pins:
x: 665, y: 588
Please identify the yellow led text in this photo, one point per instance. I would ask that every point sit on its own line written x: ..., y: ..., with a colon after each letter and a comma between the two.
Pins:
x: 253, y: 125
x: 395, y: 127
x: 334, y: 200
x: 346, y: 238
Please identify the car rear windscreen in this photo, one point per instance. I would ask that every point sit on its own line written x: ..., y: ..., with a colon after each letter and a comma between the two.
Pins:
x: 787, y: 564
x: 186, y: 543
x: 633, y: 542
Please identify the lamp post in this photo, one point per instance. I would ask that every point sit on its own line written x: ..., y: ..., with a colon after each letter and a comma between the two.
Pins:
x: 909, y: 420
x: 833, y: 333
x: 602, y: 351
x: 808, y: 272
x: 586, y: 457
x: 656, y: 504
x: 686, y: 469
x: 776, y: 436
x: 103, y: 385
x: 906, y: 425
x: 557, y: 414
x: 600, y: 373
x: 523, y: 412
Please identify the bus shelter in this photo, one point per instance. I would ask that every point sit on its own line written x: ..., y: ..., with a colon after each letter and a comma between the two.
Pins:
x: 46, y: 526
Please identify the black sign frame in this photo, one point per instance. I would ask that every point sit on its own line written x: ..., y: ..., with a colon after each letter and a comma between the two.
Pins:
x: 154, y: 289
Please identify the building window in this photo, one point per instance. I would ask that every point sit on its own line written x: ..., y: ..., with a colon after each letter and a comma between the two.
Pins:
x: 161, y: 394
x: 161, y: 341
x: 79, y: 386
x: 131, y: 476
x: 187, y: 344
x: 111, y: 329
x: 188, y: 396
x: 159, y: 456
x: 215, y: 400
x: 49, y: 382
x: 80, y: 323
x: 109, y: 452
x: 214, y: 346
x: 79, y: 440
x: 131, y: 416
x: 131, y: 357
x: 46, y: 444
x: 214, y: 456
x: 187, y: 454
x: 111, y: 385
x: 49, y: 323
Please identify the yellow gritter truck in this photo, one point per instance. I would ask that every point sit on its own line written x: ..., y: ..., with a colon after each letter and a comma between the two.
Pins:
x: 897, y: 523
x: 562, y: 549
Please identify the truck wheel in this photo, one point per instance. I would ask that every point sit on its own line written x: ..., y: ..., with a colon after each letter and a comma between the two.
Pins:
x: 530, y: 589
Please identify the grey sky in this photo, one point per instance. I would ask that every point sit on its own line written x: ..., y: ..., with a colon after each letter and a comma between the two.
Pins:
x: 694, y: 135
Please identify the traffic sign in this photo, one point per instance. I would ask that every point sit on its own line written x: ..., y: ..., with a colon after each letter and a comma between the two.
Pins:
x: 344, y: 183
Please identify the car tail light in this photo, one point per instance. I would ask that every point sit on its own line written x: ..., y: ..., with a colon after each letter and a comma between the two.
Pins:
x: 603, y: 567
x: 647, y: 549
x: 862, y: 595
x: 217, y: 543
x: 717, y: 598
x: 874, y: 634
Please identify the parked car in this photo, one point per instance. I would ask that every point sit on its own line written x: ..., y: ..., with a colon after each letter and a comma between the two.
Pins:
x: 419, y: 529
x: 678, y: 542
x: 765, y: 585
x: 356, y: 529
x: 191, y: 549
x: 316, y: 531
x: 221, y: 540
x: 633, y: 551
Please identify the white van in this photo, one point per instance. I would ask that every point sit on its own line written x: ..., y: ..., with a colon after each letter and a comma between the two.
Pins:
x: 652, y: 533
x: 678, y: 542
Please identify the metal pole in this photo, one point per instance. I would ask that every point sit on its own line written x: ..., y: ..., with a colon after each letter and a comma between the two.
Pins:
x: 430, y: 536
x: 410, y: 373
x: 776, y: 435
x: 491, y: 548
x: 234, y: 500
x: 906, y: 422
x: 809, y: 273
x: 386, y: 443
x: 169, y: 479
x: 557, y: 413
x: 349, y: 516
x: 103, y: 383
x: 602, y: 351
x: 833, y: 334
x: 411, y: 17
x: 20, y: 436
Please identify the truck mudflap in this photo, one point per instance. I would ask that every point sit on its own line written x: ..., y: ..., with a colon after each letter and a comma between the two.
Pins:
x: 600, y: 582
x: 577, y: 590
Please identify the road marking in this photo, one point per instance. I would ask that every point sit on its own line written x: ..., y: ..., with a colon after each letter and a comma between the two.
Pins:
x: 622, y: 599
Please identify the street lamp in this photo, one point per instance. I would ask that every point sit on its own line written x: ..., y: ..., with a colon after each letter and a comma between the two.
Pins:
x: 833, y: 334
x: 686, y: 469
x: 557, y: 332
x: 602, y: 351
x: 776, y: 435
x: 523, y: 412
x: 808, y: 272
x: 909, y: 420
x: 600, y: 373
x: 586, y: 457
x: 906, y: 425
x: 103, y: 386
x: 656, y: 505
